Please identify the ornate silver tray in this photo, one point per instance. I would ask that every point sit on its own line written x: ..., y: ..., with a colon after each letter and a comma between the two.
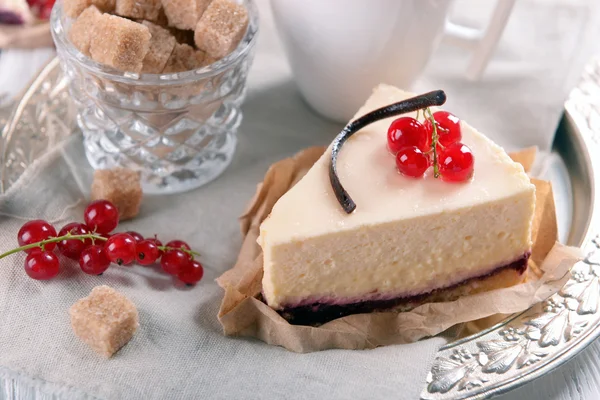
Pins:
x: 520, y: 348
x: 38, y: 121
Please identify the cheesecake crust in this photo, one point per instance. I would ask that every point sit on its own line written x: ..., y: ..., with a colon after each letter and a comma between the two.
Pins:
x: 319, y: 313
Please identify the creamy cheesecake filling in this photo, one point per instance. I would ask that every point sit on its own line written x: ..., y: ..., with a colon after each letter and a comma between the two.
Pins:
x: 519, y: 264
x: 408, y: 257
x: 320, y: 311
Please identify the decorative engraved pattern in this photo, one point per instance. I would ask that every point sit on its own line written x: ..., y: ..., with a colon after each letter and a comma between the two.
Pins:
x: 178, y: 136
x: 496, y: 361
x: 524, y: 341
x: 42, y: 119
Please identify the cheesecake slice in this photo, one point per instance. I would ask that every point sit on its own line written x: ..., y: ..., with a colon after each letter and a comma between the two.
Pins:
x: 408, y: 241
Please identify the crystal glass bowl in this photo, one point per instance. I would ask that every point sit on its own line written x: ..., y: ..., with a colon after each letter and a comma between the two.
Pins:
x: 178, y: 129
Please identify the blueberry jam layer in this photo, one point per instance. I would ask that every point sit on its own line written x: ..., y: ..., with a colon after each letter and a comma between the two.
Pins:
x: 320, y: 313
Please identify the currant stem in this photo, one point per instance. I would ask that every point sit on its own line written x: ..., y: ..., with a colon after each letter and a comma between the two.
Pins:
x: 434, y: 141
x: 57, y: 239
x: 191, y: 252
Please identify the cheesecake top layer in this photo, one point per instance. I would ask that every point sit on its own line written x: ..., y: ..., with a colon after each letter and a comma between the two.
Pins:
x: 368, y: 172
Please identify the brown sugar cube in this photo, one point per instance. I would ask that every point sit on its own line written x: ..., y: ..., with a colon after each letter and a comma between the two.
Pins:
x: 73, y: 8
x: 107, y: 6
x: 120, y: 43
x: 209, y: 60
x: 139, y: 9
x: 82, y: 29
x: 198, y: 60
x: 160, y: 20
x: 221, y: 28
x: 105, y: 320
x: 184, y: 58
x: 122, y: 187
x: 161, y: 47
x: 184, y: 14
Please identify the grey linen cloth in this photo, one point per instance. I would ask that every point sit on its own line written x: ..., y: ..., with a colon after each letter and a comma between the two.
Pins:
x: 179, y: 351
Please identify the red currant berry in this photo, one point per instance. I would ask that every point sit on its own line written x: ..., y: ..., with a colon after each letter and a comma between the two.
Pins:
x: 120, y: 248
x: 72, y: 248
x: 192, y: 273
x: 174, y: 261
x: 93, y: 260
x: 178, y: 244
x: 448, y: 128
x: 158, y: 243
x: 41, y: 265
x: 138, y: 238
x: 36, y: 231
x: 412, y: 162
x: 101, y: 216
x: 407, y: 131
x: 456, y: 163
x: 146, y: 252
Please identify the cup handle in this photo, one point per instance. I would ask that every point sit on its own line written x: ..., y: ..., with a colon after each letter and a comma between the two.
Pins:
x: 481, y: 41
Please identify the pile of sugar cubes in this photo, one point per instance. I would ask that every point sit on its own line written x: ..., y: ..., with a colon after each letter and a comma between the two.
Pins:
x: 156, y: 36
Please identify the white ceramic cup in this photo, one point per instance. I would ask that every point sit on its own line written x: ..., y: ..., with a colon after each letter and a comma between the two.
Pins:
x: 339, y: 50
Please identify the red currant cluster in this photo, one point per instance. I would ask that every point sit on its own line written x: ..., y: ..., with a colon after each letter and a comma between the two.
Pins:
x: 436, y: 142
x: 95, y: 248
